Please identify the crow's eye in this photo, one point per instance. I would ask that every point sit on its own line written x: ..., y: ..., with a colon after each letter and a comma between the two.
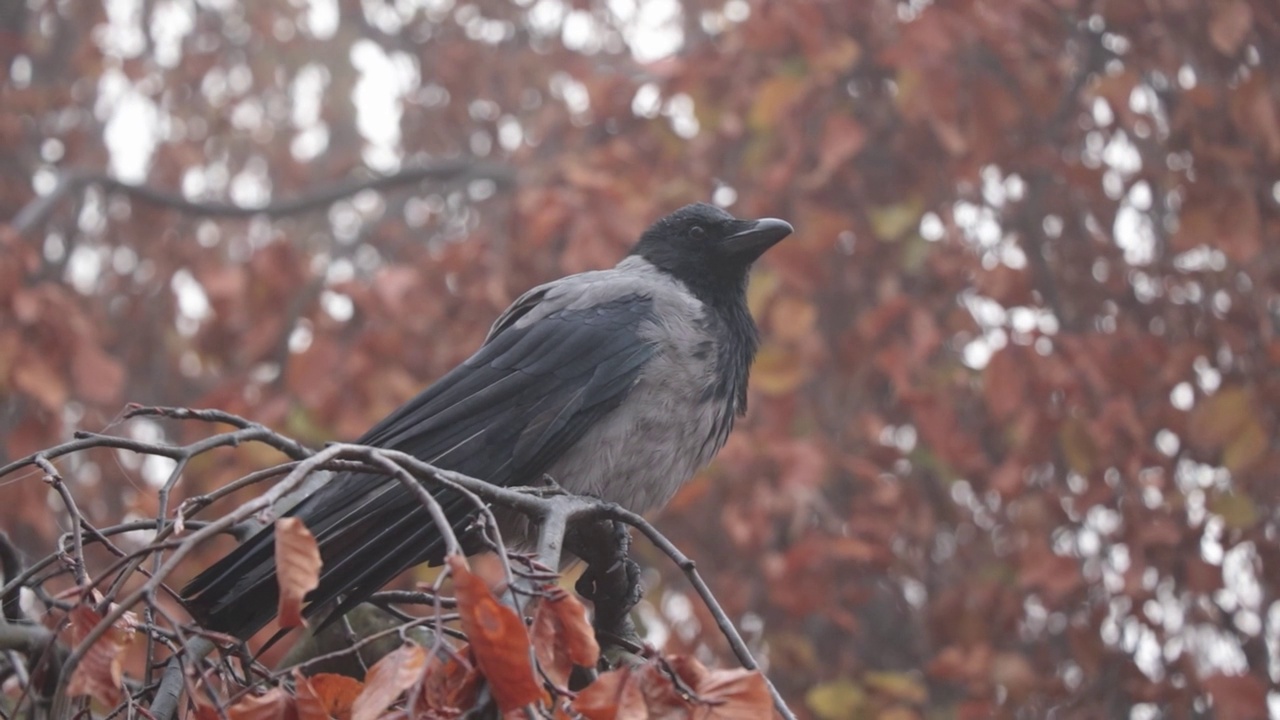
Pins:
x: 696, y: 232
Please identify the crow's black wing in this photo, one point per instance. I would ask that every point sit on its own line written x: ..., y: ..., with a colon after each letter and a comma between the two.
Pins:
x: 505, y: 416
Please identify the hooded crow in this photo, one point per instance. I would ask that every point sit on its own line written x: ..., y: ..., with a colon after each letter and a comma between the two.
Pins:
x: 619, y: 384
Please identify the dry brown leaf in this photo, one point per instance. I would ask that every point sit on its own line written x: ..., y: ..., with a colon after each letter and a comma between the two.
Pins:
x: 389, y: 677
x: 100, y: 673
x: 499, y: 640
x: 326, y: 695
x: 297, y: 568
x: 614, y: 695
x: 562, y: 636
x: 734, y: 695
x: 275, y: 704
x: 450, y: 686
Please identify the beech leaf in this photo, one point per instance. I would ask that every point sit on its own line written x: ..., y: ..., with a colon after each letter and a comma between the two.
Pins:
x: 297, y: 568
x: 498, y: 639
x: 563, y: 636
x: 389, y: 677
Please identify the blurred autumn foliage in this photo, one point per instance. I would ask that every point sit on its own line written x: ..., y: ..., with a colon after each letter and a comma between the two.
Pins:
x: 1012, y: 431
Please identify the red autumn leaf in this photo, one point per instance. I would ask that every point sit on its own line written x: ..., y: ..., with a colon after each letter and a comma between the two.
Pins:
x: 735, y: 695
x: 326, y: 695
x: 450, y: 686
x: 717, y: 694
x: 100, y: 673
x: 614, y: 695
x: 389, y: 677
x: 499, y: 640
x: 562, y: 636
x: 297, y: 568
x: 276, y: 704
x: 676, y: 688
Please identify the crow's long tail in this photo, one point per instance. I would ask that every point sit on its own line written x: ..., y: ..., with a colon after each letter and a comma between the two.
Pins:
x: 368, y: 529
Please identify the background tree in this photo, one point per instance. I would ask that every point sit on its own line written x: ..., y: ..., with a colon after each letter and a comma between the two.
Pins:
x: 1013, y: 425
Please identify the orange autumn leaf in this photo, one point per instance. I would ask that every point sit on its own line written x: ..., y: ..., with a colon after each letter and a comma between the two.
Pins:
x: 562, y: 635
x: 100, y: 673
x: 498, y: 638
x: 326, y: 695
x: 275, y: 704
x: 449, y: 686
x: 389, y: 677
x: 739, y: 694
x: 297, y: 568
x: 651, y: 692
x: 614, y: 695
x: 716, y: 694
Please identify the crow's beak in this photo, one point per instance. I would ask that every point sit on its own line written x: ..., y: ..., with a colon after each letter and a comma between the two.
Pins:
x: 756, y: 237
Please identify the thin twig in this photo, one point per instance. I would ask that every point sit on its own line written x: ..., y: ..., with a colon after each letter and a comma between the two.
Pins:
x: 54, y: 478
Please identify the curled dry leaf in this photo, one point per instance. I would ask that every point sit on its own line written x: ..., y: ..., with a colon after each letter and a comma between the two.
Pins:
x: 735, y: 695
x: 449, y: 687
x: 389, y: 677
x: 297, y: 568
x: 275, y: 704
x: 326, y: 695
x: 100, y: 673
x: 562, y: 636
x: 676, y: 688
x: 499, y: 640
x: 615, y: 695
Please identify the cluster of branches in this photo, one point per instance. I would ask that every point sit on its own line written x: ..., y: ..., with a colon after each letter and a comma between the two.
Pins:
x: 72, y: 650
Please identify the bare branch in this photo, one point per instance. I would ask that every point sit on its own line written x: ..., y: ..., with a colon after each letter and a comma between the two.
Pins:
x: 557, y: 516
x: 37, y: 212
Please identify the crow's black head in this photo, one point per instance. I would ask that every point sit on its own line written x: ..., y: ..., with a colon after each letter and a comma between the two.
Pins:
x: 708, y: 249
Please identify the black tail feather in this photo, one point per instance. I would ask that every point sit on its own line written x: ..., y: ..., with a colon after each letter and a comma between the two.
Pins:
x: 238, y: 595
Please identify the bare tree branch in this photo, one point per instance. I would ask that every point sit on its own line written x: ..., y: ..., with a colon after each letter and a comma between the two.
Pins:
x: 557, y: 515
x: 37, y: 212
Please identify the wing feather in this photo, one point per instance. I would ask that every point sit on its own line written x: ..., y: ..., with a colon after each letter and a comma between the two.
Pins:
x: 505, y: 415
